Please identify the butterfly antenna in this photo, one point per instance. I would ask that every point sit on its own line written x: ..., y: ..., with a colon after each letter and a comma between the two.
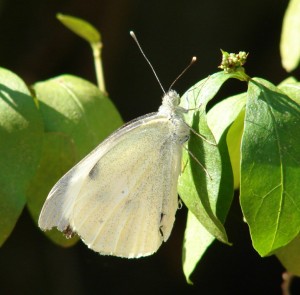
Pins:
x: 132, y: 34
x: 194, y: 58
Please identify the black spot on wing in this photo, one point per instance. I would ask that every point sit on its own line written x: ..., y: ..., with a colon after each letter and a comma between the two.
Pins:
x: 161, y: 231
x: 94, y: 172
x: 161, y: 226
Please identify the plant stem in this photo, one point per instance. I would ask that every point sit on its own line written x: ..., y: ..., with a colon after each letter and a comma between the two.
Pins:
x: 96, y: 47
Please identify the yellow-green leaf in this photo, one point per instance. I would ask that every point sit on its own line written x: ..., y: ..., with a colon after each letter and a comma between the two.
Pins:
x: 80, y: 27
x: 227, y: 117
x: 290, y: 36
x: 58, y: 156
x: 289, y: 256
x: 270, y: 168
x: 21, y: 136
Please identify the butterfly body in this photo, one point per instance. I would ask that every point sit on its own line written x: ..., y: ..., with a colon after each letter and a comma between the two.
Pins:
x: 121, y: 199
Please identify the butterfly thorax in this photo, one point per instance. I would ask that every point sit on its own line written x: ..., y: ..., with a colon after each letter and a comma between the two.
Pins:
x: 171, y: 109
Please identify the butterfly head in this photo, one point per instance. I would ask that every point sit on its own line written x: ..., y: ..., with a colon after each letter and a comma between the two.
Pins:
x: 170, y: 104
x: 171, y: 99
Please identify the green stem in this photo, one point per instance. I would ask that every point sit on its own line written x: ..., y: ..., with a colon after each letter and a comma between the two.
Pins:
x: 96, y: 47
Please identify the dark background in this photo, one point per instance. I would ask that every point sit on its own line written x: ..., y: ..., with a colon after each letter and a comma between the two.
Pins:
x: 37, y: 47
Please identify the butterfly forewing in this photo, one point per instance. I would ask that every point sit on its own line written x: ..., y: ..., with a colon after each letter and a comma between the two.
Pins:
x: 122, y: 200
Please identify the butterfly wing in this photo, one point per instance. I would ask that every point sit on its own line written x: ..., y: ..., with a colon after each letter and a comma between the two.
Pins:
x: 122, y: 198
x: 59, y: 203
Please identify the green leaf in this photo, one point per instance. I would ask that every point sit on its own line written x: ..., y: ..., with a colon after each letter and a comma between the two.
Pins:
x: 290, y: 36
x: 80, y: 27
x: 77, y: 118
x: 291, y: 87
x: 58, y: 156
x: 197, y: 239
x: 21, y: 136
x: 270, y: 167
x: 199, y: 189
x: 289, y: 256
x: 288, y: 80
x: 89, y: 33
x: 78, y: 109
x: 234, y: 140
x: 227, y: 118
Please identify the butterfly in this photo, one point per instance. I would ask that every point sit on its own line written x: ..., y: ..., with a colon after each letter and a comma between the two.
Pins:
x: 121, y: 199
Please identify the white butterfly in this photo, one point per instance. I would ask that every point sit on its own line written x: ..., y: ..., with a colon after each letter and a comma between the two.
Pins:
x: 121, y: 199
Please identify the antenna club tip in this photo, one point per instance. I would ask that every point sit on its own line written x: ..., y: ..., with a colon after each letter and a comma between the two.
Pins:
x: 131, y: 33
x: 194, y: 58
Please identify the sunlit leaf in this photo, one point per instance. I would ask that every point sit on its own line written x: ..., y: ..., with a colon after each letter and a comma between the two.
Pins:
x: 270, y: 169
x: 289, y: 256
x: 77, y: 108
x: 196, y: 241
x: 21, y: 136
x: 227, y: 117
x: 80, y: 27
x: 226, y: 122
x: 290, y: 36
x: 58, y: 156
x: 199, y: 188
x: 196, y: 189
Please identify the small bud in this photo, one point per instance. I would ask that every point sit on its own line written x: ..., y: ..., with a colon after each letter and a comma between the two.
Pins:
x: 232, y: 62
